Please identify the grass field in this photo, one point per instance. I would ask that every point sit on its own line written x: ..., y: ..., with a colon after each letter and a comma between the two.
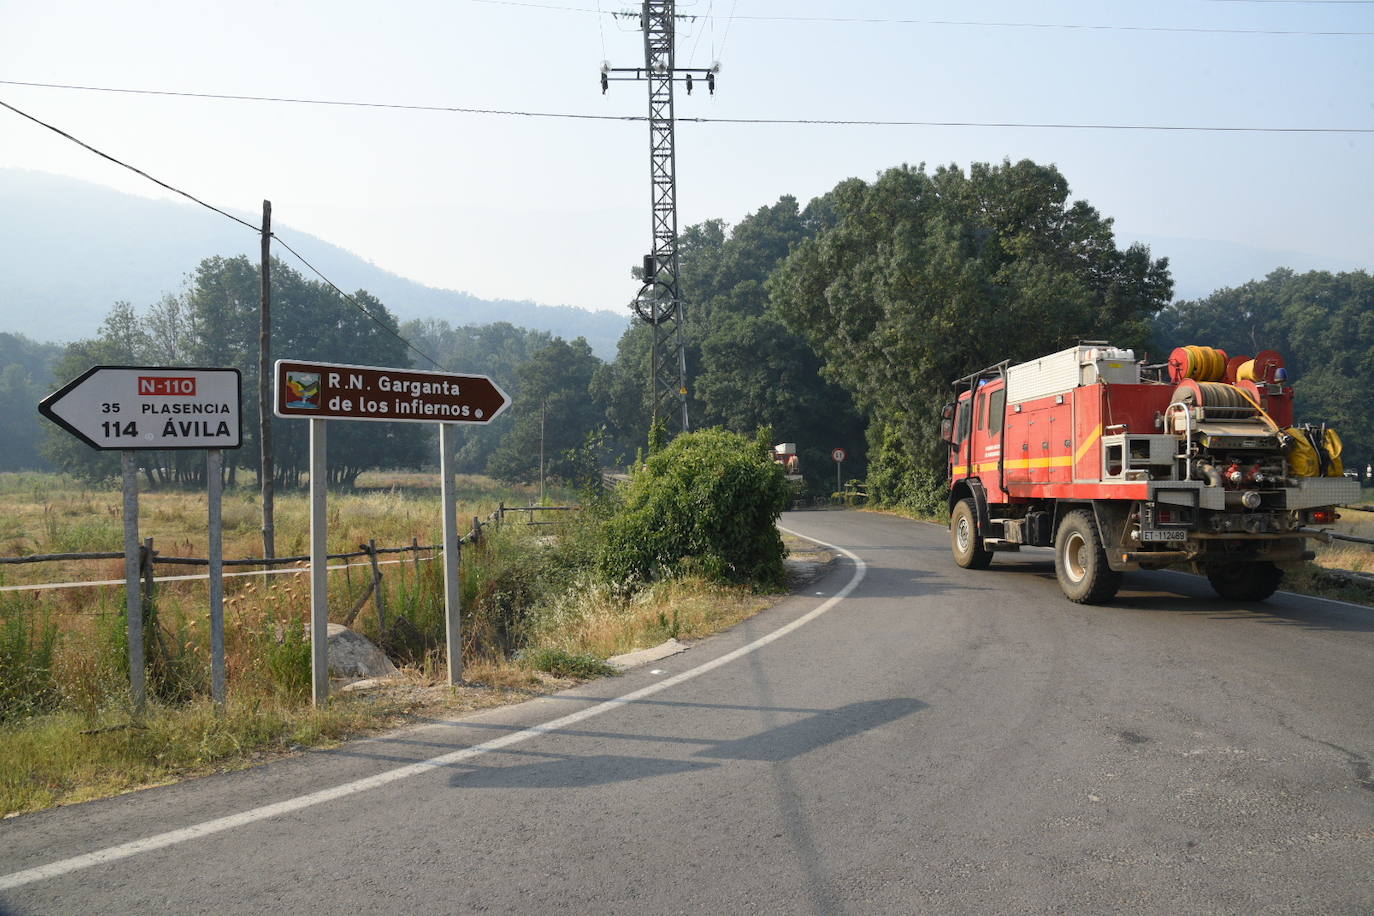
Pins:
x: 1354, y: 557
x: 534, y: 618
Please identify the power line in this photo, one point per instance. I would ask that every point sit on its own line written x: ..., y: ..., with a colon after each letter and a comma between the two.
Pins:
x: 63, y: 133
x: 334, y: 102
x: 601, y: 29
x: 1297, y: 2
x: 696, y: 44
x: 1054, y: 25
x: 256, y: 230
x: 359, y: 306
x: 728, y: 20
x: 837, y: 122
x: 1039, y: 125
x: 974, y: 23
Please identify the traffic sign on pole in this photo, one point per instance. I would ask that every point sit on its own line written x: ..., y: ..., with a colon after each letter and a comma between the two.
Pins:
x: 117, y: 408
x: 139, y: 408
x: 330, y: 391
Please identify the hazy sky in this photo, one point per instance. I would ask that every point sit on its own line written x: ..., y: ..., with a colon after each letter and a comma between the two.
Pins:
x: 557, y: 210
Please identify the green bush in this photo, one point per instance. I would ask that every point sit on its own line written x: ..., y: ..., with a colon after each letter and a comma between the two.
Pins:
x: 286, y: 656
x: 28, y: 644
x: 707, y: 503
x: 897, y: 480
x: 561, y: 663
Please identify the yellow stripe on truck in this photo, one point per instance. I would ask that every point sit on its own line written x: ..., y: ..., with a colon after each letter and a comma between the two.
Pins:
x: 1020, y: 464
x: 1087, y: 444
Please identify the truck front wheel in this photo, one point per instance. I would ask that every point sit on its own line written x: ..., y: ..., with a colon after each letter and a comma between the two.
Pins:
x: 1080, y: 563
x: 1245, y: 581
x: 964, y: 541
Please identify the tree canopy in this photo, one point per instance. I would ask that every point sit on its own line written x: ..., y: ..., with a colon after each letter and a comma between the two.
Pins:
x: 25, y: 377
x: 746, y: 368
x: 1322, y: 324
x: 918, y: 278
x: 214, y: 322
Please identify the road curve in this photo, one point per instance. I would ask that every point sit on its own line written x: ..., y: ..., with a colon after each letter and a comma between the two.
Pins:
x: 936, y: 740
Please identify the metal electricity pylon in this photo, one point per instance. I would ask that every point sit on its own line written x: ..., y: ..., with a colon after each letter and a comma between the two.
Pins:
x: 659, y: 302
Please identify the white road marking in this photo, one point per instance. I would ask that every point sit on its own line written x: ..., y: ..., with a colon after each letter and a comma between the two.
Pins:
x: 253, y: 815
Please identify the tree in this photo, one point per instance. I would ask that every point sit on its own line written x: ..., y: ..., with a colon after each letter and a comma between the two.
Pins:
x: 553, y: 410
x: 1322, y: 324
x: 25, y: 377
x: 746, y: 369
x: 214, y: 322
x: 495, y: 350
x: 919, y: 278
x: 310, y: 321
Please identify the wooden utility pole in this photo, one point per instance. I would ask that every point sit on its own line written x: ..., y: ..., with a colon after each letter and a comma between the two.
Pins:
x: 269, y: 534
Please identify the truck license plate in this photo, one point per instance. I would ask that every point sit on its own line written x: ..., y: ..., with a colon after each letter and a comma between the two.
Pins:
x: 1177, y: 536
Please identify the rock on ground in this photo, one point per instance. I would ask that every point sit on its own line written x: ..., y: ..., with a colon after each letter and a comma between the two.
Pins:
x: 352, y: 654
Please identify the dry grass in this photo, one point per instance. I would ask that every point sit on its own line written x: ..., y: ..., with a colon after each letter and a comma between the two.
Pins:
x: 42, y: 513
x: 86, y: 746
x: 65, y: 758
x: 1353, y: 557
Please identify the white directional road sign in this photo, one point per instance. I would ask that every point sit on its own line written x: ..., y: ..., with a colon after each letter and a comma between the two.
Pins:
x: 150, y: 407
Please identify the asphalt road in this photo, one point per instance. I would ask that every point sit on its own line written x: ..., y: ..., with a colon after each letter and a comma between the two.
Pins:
x: 935, y: 740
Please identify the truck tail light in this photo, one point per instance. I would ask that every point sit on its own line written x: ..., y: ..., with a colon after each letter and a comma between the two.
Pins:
x: 1164, y: 517
x: 1322, y: 516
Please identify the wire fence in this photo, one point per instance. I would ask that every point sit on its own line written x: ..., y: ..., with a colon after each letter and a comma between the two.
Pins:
x: 151, y: 558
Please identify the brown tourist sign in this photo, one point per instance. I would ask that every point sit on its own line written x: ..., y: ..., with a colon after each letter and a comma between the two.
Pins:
x: 328, y: 391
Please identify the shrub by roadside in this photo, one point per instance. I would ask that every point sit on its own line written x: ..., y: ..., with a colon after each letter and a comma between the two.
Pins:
x: 708, y: 503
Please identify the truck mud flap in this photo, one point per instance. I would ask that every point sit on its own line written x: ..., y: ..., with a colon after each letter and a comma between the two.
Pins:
x: 1112, y: 521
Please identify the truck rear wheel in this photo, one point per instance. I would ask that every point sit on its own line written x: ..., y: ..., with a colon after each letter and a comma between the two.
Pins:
x: 964, y: 541
x: 1245, y: 581
x: 1080, y: 563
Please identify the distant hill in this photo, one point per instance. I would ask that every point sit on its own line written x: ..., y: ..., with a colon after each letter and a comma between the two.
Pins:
x: 70, y: 249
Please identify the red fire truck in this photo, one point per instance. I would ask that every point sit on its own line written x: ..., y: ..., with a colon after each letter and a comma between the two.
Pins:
x: 1119, y: 465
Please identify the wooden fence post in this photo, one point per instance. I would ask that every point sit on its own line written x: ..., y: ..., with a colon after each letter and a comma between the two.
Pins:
x: 377, y: 585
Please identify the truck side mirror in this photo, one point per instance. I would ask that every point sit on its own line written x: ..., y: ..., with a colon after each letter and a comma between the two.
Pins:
x: 947, y: 423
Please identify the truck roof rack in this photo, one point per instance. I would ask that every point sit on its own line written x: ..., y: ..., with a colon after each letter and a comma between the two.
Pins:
x: 995, y: 371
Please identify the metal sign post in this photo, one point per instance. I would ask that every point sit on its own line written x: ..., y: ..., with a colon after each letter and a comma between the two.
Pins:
x: 839, y: 455
x: 319, y: 566
x: 333, y: 391
x: 214, y: 486
x: 453, y: 629
x: 133, y: 593
x: 155, y: 408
